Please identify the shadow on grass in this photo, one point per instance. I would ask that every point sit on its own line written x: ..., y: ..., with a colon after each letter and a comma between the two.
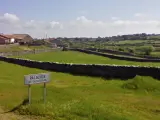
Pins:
x: 25, y: 102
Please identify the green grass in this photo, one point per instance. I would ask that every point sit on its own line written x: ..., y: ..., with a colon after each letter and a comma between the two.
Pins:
x: 140, y: 83
x: 156, y: 54
x: 131, y: 41
x: 78, y: 57
x: 17, y: 48
x: 79, y: 97
x: 154, y: 37
x: 135, y: 41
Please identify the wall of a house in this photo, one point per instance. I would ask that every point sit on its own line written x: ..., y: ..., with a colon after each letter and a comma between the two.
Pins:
x: 2, y: 41
x: 27, y: 39
x: 12, y: 40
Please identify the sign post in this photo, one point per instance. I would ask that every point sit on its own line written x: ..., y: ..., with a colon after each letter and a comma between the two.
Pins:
x: 36, y: 79
x: 29, y: 94
x: 44, y: 97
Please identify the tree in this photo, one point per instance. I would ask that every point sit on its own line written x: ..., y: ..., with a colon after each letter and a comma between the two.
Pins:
x: 146, y: 49
x: 120, y: 49
x: 130, y: 50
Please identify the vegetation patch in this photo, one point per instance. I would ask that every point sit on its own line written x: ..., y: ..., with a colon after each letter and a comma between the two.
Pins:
x: 74, y: 109
x: 19, y: 48
x: 141, y: 83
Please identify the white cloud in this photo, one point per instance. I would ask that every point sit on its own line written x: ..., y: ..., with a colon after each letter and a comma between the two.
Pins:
x: 83, y: 19
x: 9, y: 19
x: 30, y: 24
x: 80, y: 26
x: 55, y: 24
x: 153, y: 22
x: 125, y: 22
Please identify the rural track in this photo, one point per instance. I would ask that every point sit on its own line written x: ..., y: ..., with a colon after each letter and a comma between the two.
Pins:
x: 13, y: 116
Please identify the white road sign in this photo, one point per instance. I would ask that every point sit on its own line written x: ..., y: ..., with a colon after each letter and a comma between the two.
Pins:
x: 36, y: 78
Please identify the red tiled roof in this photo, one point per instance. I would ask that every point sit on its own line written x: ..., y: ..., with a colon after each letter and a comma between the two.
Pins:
x: 16, y: 36
x: 3, y: 36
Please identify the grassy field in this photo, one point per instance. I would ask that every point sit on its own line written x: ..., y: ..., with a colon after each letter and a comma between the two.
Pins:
x: 77, y: 97
x: 131, y: 41
x: 16, y: 48
x: 78, y: 57
x: 131, y: 44
x: 155, y: 54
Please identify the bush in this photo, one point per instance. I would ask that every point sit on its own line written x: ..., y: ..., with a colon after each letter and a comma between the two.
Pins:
x: 130, y: 50
x: 142, y: 83
x: 120, y: 49
x: 145, y: 49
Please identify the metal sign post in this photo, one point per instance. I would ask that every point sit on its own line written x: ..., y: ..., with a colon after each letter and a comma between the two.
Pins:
x: 44, y: 93
x: 36, y: 79
x: 29, y: 94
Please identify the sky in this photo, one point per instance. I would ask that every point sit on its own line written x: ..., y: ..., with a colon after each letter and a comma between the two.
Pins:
x: 79, y: 18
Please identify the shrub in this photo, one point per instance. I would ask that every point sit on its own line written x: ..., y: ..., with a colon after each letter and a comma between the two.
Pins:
x: 130, y: 50
x: 142, y: 83
x: 146, y: 49
x: 120, y: 49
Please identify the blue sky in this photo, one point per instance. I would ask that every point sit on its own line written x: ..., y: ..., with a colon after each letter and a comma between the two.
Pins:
x: 71, y: 17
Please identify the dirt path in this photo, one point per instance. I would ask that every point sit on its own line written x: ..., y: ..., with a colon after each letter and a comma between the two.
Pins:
x: 11, y: 116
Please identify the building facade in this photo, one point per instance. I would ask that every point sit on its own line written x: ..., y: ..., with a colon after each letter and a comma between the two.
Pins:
x: 4, y: 40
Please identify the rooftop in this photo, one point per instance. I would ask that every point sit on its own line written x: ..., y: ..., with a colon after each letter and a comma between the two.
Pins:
x: 17, y: 36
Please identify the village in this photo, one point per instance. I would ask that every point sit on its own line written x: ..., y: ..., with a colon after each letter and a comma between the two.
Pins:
x: 16, y: 44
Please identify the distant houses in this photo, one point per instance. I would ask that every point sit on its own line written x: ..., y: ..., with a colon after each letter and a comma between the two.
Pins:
x: 56, y: 42
x: 4, y: 40
x: 15, y: 38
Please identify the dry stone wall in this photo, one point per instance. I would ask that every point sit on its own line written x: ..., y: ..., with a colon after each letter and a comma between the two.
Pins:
x: 115, y: 56
x: 98, y: 70
x: 121, y: 53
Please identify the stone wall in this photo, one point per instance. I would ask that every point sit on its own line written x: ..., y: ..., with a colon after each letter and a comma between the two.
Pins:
x: 98, y: 70
x: 116, y: 57
x: 121, y: 53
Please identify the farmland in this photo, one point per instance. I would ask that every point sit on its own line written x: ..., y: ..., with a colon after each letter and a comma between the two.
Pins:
x: 133, y: 46
x: 18, y: 48
x: 78, y: 97
x: 77, y: 57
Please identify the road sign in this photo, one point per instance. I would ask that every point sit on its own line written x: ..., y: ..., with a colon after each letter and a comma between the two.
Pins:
x: 36, y: 79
